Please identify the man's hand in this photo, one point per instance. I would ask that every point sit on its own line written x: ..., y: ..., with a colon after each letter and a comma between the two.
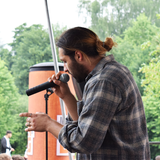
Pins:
x: 36, y: 122
x: 41, y: 122
x: 61, y: 90
x: 12, y: 149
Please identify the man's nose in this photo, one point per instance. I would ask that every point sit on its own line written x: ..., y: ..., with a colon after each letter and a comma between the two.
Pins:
x: 65, y: 68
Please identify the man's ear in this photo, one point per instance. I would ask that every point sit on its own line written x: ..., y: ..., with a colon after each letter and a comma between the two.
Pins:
x: 78, y: 56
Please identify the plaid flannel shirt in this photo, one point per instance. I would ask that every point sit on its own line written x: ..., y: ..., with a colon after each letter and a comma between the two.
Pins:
x: 111, y: 123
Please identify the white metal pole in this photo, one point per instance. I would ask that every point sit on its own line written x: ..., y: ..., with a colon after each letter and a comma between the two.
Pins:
x: 54, y: 55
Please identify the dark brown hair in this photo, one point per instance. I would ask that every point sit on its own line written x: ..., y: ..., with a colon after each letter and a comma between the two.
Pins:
x: 8, y: 132
x: 85, y: 41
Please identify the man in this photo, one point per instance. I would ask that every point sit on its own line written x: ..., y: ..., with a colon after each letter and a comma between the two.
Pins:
x: 5, y: 143
x: 109, y: 122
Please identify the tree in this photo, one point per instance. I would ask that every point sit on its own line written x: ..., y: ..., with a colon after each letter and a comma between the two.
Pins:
x: 19, y: 138
x: 31, y: 45
x: 6, y: 55
x: 129, y: 50
x: 8, y: 97
x: 112, y: 17
x: 10, y: 108
x: 57, y: 31
x: 151, y: 96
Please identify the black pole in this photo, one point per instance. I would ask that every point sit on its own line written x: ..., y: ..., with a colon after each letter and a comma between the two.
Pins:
x: 46, y: 96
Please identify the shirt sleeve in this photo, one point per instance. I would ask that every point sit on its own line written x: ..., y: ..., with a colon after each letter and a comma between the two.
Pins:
x: 96, y: 112
x: 68, y: 119
x: 4, y: 144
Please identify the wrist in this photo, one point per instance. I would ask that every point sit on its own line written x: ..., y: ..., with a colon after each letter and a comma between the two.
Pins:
x: 54, y: 127
x: 49, y: 124
x: 68, y: 97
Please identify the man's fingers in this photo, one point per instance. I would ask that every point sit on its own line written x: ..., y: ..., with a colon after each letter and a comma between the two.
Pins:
x: 58, y: 75
x: 28, y: 124
x: 29, y: 129
x: 55, y: 76
x: 40, y: 113
x: 49, y: 79
x: 34, y: 122
x: 28, y: 119
x: 26, y: 114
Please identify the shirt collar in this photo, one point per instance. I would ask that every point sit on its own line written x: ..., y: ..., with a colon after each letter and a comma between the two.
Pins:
x: 100, y: 66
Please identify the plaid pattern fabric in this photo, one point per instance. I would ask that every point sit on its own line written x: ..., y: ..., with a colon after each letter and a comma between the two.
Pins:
x: 111, y: 124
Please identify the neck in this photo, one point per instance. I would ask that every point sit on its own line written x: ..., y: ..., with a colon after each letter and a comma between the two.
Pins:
x: 6, y: 136
x: 93, y: 63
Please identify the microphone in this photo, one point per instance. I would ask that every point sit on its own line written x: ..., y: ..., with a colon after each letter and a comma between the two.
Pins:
x: 63, y: 77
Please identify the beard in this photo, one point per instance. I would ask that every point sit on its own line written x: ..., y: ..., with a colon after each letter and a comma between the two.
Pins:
x: 78, y: 71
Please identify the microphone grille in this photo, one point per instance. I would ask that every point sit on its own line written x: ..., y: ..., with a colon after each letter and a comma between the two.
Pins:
x: 64, y: 78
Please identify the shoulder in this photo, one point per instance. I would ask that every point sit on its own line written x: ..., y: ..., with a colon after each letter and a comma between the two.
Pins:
x: 3, y: 139
x: 113, y: 73
x: 114, y: 70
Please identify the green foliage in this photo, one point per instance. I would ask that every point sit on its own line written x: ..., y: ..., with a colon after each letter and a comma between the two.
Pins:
x: 140, y: 31
x: 158, y: 16
x: 114, y: 17
x: 57, y: 31
x: 31, y: 45
x: 151, y: 96
x: 129, y: 50
x: 6, y: 55
x: 19, y: 141
x: 8, y: 97
x: 10, y: 107
x: 129, y: 21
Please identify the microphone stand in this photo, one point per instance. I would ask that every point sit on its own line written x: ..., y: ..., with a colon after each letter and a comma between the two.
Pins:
x: 46, y: 96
